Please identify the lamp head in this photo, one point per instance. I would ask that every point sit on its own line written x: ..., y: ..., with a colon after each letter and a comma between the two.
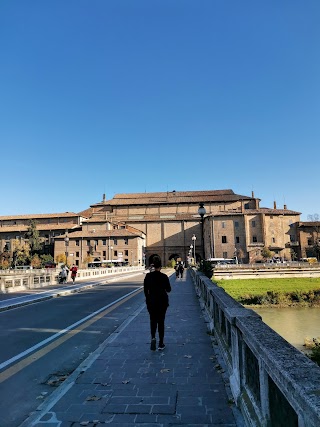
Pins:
x: 202, y: 210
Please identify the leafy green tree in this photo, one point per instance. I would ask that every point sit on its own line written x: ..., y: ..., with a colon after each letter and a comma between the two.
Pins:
x: 33, y: 236
x: 21, y: 252
x: 266, y: 253
x: 45, y: 259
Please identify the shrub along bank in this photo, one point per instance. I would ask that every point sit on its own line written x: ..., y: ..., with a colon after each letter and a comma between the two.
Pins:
x: 282, y: 292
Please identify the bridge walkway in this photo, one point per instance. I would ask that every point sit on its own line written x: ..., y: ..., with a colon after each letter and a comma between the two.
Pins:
x: 124, y: 383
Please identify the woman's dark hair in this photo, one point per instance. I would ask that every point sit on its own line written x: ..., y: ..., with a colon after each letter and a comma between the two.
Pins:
x: 156, y: 261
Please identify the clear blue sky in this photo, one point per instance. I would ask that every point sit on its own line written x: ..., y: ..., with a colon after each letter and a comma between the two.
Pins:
x: 115, y: 96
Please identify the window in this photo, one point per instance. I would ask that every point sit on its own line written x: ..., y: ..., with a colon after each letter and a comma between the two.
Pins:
x: 125, y: 241
x: 77, y: 254
x: 237, y: 239
x: 236, y: 224
x: 115, y: 253
x: 273, y: 240
x: 126, y: 252
x: 254, y: 239
x: 77, y: 242
x: 104, y: 253
x: 115, y: 241
x: 225, y: 254
x: 309, y: 242
x: 224, y: 239
x: 223, y: 224
x: 246, y: 206
x: 253, y: 223
x: 88, y: 242
x: 104, y: 242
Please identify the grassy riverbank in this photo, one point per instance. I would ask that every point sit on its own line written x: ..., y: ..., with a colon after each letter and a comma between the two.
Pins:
x: 282, y: 292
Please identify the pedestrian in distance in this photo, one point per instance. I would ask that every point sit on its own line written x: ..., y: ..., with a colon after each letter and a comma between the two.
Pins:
x: 74, y: 270
x: 181, y: 269
x: 176, y: 267
x: 63, y: 275
x: 156, y: 289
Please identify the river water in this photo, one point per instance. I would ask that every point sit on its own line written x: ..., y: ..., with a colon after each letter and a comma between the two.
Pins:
x: 294, y: 324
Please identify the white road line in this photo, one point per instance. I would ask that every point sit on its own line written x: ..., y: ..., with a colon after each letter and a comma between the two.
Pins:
x: 63, y: 331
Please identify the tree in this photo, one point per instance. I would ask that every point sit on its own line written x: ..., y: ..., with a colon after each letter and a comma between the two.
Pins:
x: 5, y: 259
x: 45, y: 259
x: 35, y: 261
x: 87, y: 259
x: 21, y: 252
x: 33, y: 236
x: 293, y: 255
x: 61, y: 258
x: 266, y: 253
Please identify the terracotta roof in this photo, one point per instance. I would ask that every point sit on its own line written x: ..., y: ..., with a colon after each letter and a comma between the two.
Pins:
x: 275, y: 211
x: 87, y: 213
x: 40, y: 227
x: 309, y: 224
x: 101, y: 233
x: 174, y: 197
x: 38, y: 216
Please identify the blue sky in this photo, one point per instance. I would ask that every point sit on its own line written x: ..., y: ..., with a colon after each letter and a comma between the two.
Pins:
x: 124, y: 96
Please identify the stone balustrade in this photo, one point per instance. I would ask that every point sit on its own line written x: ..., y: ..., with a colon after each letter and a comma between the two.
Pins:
x: 13, y: 281
x: 272, y: 382
x: 267, y: 271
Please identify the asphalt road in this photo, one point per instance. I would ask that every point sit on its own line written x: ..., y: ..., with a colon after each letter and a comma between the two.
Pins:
x: 42, y: 343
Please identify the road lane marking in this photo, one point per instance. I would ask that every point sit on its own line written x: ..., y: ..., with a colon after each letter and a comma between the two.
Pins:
x: 60, y: 337
x: 33, y: 298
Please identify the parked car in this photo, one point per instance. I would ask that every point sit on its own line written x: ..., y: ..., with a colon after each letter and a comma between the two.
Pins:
x: 50, y: 265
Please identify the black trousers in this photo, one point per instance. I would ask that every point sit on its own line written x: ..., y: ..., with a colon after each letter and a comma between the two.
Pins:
x: 157, y: 317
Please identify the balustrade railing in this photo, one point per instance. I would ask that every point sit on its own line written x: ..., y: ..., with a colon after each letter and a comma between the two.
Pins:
x: 15, y: 280
x: 273, y: 383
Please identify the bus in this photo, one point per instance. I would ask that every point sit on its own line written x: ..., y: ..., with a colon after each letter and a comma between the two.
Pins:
x: 222, y: 261
x: 106, y: 263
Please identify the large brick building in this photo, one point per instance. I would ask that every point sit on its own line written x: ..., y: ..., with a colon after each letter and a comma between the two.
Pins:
x: 134, y: 227
x: 233, y: 224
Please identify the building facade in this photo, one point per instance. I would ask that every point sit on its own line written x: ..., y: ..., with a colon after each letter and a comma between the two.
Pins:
x: 234, y: 225
x: 135, y: 227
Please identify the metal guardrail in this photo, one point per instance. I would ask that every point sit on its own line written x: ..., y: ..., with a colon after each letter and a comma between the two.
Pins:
x: 272, y: 382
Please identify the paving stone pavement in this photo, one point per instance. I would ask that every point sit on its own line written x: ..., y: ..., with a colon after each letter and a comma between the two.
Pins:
x: 129, y: 385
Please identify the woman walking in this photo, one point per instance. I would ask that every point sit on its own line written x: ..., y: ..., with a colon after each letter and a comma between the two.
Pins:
x: 74, y: 270
x: 156, y: 289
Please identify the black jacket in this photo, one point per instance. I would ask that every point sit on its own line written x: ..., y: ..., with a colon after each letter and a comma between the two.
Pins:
x: 156, y: 288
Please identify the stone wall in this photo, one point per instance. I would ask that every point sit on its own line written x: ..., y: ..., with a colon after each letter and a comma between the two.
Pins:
x: 265, y: 271
x: 272, y: 383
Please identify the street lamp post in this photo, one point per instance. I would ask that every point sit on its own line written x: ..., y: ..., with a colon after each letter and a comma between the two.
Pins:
x: 66, y: 241
x: 194, y: 238
x: 202, y: 211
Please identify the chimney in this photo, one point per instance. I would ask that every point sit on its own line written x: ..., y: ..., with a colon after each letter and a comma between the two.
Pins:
x: 104, y: 197
x: 252, y: 194
x: 284, y: 207
x: 274, y: 205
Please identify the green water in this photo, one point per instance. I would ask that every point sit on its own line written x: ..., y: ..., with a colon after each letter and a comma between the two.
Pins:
x: 293, y: 324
